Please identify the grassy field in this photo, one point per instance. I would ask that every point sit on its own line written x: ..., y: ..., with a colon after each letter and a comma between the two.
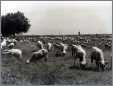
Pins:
x: 57, y: 71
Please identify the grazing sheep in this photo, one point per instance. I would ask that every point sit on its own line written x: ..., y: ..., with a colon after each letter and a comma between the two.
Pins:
x: 108, y: 46
x: 37, y: 55
x: 3, y: 44
x: 80, y: 53
x: 15, y: 52
x: 9, y: 41
x: 40, y: 44
x: 11, y: 45
x: 58, y: 48
x: 98, y: 56
x: 49, y: 46
x: 64, y: 48
x: 14, y: 41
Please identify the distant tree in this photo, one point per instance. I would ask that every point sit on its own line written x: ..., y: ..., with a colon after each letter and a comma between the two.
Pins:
x: 14, y: 23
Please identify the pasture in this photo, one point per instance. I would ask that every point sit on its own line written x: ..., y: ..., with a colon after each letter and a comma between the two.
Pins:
x: 57, y: 70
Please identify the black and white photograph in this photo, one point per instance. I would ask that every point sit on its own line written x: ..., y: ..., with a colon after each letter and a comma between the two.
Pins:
x: 56, y: 43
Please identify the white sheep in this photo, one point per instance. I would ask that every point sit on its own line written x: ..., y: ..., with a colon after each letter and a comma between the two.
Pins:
x: 49, y: 46
x: 98, y: 56
x: 40, y: 44
x: 79, y: 53
x: 11, y: 45
x: 60, y: 49
x: 37, y: 55
x: 64, y: 48
x: 4, y: 44
x: 14, y: 41
x: 15, y: 52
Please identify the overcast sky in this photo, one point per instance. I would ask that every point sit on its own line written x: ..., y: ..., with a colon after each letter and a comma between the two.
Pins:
x: 66, y: 17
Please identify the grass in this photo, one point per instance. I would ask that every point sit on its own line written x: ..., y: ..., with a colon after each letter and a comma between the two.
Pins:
x: 57, y: 71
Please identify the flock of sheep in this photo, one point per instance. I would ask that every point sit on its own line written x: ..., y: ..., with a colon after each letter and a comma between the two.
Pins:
x: 77, y: 52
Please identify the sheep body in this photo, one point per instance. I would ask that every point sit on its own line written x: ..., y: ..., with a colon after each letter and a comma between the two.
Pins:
x: 16, y: 52
x: 42, y: 53
x: 40, y: 44
x: 80, y: 53
x: 98, y: 56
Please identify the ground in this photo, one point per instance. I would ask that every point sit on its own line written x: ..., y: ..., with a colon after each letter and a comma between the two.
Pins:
x: 56, y: 71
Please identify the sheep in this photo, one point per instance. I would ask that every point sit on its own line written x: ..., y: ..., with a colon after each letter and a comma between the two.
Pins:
x: 11, y: 45
x: 64, y: 48
x: 98, y: 56
x: 37, y: 55
x: 11, y: 41
x: 49, y: 46
x: 3, y: 44
x: 40, y: 44
x: 108, y: 46
x: 14, y: 41
x: 15, y: 52
x: 58, y: 48
x: 80, y: 53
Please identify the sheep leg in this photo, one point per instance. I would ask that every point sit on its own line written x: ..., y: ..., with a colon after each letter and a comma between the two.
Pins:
x: 102, y: 67
x: 74, y: 61
x: 5, y: 52
x: 92, y: 60
x: 19, y: 57
x: 45, y: 59
x: 82, y: 66
x: 72, y: 53
x: 98, y: 66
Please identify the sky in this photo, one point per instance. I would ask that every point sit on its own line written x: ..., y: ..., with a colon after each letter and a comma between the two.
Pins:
x: 63, y: 17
